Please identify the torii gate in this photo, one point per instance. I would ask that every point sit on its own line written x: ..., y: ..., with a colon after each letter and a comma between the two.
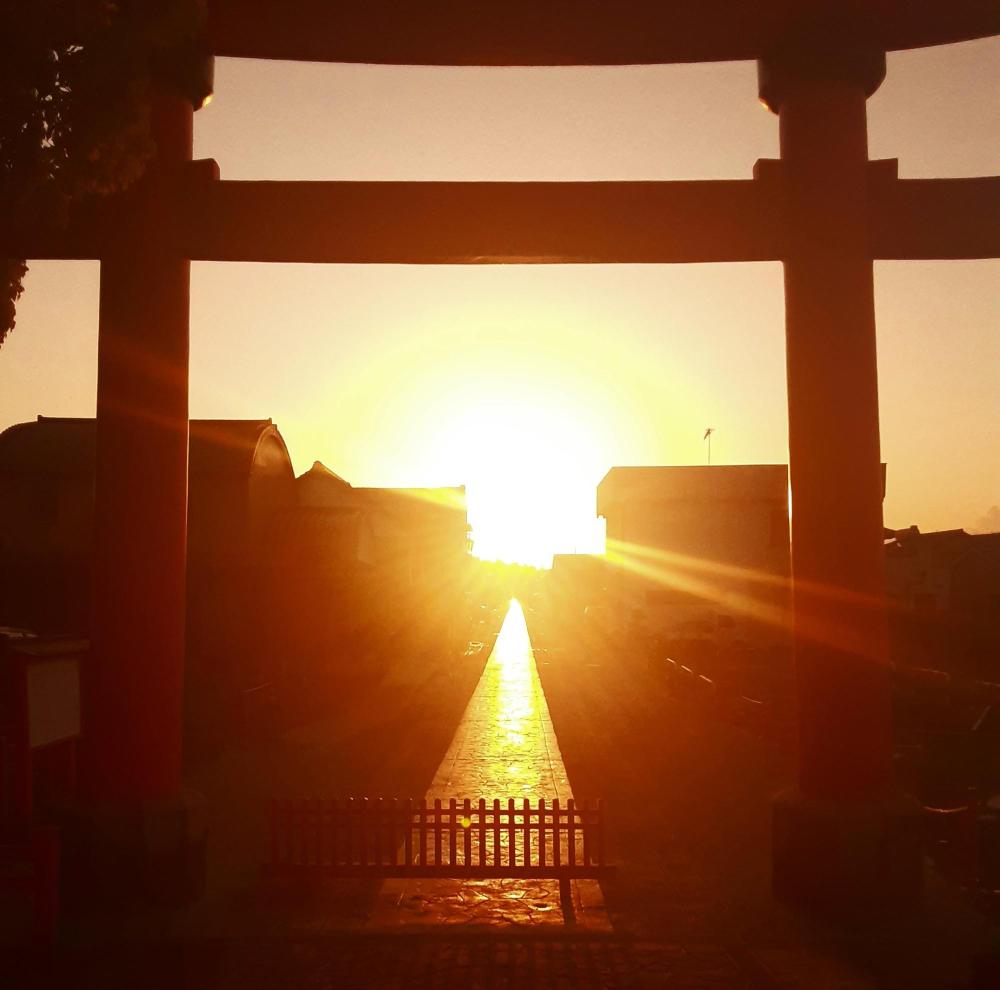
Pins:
x: 824, y: 210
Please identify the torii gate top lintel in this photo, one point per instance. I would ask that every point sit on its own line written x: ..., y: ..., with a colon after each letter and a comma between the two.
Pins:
x: 571, y: 32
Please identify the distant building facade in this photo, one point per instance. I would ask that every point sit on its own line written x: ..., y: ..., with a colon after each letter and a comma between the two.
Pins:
x: 945, y: 571
x: 368, y: 569
x: 695, y: 549
x: 944, y: 589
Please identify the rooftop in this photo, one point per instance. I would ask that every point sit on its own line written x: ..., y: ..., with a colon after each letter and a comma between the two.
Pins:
x: 65, y: 447
x: 688, y: 482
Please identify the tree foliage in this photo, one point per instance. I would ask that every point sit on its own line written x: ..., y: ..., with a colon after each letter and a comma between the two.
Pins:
x: 74, y: 110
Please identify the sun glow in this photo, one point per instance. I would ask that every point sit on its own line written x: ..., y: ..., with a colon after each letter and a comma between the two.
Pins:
x: 531, y: 464
x: 524, y: 395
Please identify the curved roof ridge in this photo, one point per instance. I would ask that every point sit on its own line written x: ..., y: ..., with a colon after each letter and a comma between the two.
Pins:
x: 66, y: 445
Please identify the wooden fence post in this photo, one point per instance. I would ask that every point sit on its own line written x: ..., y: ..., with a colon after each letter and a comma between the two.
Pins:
x: 437, y: 831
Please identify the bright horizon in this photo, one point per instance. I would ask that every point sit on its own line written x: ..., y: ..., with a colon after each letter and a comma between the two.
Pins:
x: 527, y: 383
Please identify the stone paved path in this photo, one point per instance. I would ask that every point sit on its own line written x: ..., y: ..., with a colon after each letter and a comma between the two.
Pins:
x: 504, y: 747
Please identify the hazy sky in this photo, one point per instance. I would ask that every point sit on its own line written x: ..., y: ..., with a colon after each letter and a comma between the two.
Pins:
x: 528, y: 382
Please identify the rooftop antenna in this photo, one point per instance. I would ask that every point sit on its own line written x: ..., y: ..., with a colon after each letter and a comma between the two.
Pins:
x: 708, y: 437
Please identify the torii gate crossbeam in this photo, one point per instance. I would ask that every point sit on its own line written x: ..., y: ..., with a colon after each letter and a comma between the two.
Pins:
x: 568, y: 32
x: 443, y: 223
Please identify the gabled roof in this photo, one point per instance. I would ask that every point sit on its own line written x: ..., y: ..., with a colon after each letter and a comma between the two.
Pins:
x: 321, y: 488
x: 320, y: 472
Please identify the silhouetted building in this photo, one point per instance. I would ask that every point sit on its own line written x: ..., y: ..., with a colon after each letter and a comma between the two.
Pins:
x: 946, y: 571
x: 417, y: 542
x: 945, y: 587
x: 321, y: 588
x: 415, y: 534
x: 293, y: 584
x: 371, y: 573
x: 240, y: 475
x: 46, y: 524
x: 240, y: 482
x: 696, y: 548
x: 419, y: 535
x: 328, y: 507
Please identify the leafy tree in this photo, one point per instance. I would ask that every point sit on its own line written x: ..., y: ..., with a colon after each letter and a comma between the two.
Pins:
x: 74, y: 110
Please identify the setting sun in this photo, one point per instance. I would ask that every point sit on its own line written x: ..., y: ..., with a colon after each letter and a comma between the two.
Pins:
x: 531, y: 465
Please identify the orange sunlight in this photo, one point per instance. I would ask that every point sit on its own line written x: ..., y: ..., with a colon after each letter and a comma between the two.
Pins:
x: 531, y: 465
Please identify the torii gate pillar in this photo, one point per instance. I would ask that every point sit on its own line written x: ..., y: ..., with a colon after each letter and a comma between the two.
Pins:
x: 841, y: 837
x: 139, y: 826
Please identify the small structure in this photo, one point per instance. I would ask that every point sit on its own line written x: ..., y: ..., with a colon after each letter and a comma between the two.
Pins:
x: 39, y: 729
